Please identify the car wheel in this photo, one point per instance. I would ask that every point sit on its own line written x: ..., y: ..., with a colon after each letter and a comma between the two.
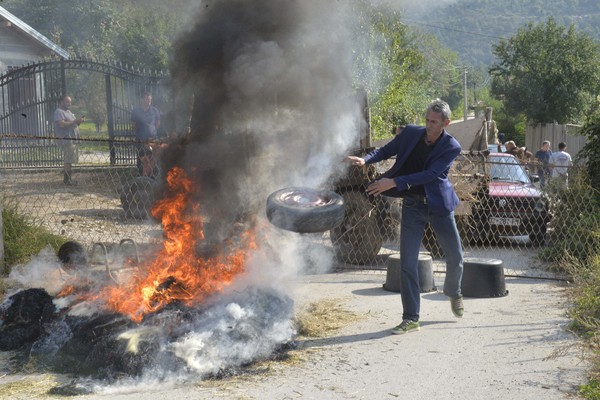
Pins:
x: 305, y: 210
x: 357, y: 239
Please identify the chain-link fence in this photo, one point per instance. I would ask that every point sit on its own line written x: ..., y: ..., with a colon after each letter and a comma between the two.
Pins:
x: 103, y: 203
x: 506, y: 211
x: 510, y: 209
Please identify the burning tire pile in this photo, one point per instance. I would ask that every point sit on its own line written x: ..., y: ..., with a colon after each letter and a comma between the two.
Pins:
x: 210, y: 340
x: 177, y: 313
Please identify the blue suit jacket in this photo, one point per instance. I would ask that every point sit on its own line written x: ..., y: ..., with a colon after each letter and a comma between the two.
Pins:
x: 441, y: 197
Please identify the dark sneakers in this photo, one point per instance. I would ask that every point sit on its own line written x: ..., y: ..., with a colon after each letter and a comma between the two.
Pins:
x: 458, y: 308
x: 406, y: 326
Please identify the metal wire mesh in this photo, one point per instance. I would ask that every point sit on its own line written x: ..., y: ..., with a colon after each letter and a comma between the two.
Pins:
x: 106, y: 203
x: 504, y: 212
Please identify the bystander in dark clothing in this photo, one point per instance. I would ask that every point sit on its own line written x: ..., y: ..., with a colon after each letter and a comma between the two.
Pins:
x: 146, y: 122
x: 543, y: 159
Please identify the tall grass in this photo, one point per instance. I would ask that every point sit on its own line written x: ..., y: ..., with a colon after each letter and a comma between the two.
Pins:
x: 575, y: 250
x: 585, y: 316
x: 23, y: 237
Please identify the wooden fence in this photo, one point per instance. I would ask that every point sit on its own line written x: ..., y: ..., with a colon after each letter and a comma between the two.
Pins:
x: 555, y: 133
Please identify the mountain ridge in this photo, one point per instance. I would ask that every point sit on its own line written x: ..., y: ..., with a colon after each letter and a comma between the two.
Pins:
x: 470, y: 27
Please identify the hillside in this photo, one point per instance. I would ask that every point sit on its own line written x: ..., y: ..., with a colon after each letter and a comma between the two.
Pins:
x: 470, y: 27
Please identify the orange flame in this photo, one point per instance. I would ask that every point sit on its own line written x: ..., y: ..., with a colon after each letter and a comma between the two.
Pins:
x: 177, y: 274
x: 66, y: 291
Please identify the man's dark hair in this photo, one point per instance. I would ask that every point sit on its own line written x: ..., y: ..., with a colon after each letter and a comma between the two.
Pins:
x: 562, y: 146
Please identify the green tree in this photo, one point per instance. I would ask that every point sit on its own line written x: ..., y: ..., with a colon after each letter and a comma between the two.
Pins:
x: 399, y: 76
x: 82, y: 27
x: 138, y: 45
x: 138, y: 34
x: 591, y: 151
x: 547, y: 72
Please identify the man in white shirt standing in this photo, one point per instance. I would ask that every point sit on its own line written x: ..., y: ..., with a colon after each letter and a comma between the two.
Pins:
x: 560, y: 162
x: 66, y: 130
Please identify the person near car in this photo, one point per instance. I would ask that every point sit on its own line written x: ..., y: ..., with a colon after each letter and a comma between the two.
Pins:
x: 424, y: 155
x: 66, y: 130
x: 511, y: 147
x: 145, y: 119
x: 560, y: 162
x: 543, y: 158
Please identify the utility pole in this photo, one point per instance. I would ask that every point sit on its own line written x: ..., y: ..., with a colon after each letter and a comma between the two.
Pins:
x: 465, y: 95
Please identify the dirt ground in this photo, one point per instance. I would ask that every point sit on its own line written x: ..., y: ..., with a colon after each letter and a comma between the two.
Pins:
x: 514, y: 347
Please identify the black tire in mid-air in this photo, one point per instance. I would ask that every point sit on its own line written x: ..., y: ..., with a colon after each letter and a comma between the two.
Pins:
x: 305, y: 210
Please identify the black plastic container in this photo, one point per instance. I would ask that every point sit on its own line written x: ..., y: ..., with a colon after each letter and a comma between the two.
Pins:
x: 426, y: 280
x: 483, y: 277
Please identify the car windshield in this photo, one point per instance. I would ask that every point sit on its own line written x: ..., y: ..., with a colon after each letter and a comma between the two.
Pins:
x: 507, y: 169
x: 494, y: 148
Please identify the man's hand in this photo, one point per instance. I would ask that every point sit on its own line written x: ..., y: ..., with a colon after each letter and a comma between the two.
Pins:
x: 355, y: 160
x: 380, y: 186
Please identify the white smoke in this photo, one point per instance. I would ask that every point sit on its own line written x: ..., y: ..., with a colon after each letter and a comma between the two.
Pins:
x: 211, y: 347
x: 42, y: 271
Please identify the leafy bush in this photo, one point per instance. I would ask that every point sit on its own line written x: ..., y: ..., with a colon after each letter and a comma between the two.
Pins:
x: 591, y: 391
x: 575, y: 222
x: 591, y: 151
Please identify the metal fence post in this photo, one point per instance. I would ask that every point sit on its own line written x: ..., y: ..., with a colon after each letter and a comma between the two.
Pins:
x: 1, y: 239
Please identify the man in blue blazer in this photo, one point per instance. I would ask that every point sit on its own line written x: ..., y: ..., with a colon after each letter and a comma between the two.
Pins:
x: 424, y: 155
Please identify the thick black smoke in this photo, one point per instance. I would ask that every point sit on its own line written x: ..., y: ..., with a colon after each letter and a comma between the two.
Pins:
x: 269, y: 87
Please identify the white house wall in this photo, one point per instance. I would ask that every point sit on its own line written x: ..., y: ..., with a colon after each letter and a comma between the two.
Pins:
x: 16, y: 50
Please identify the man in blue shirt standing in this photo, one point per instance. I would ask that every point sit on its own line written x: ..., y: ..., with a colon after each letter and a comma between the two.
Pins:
x: 543, y: 157
x: 145, y: 119
x: 424, y: 155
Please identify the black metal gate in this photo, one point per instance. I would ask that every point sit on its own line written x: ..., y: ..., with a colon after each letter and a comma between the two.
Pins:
x: 30, y: 94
